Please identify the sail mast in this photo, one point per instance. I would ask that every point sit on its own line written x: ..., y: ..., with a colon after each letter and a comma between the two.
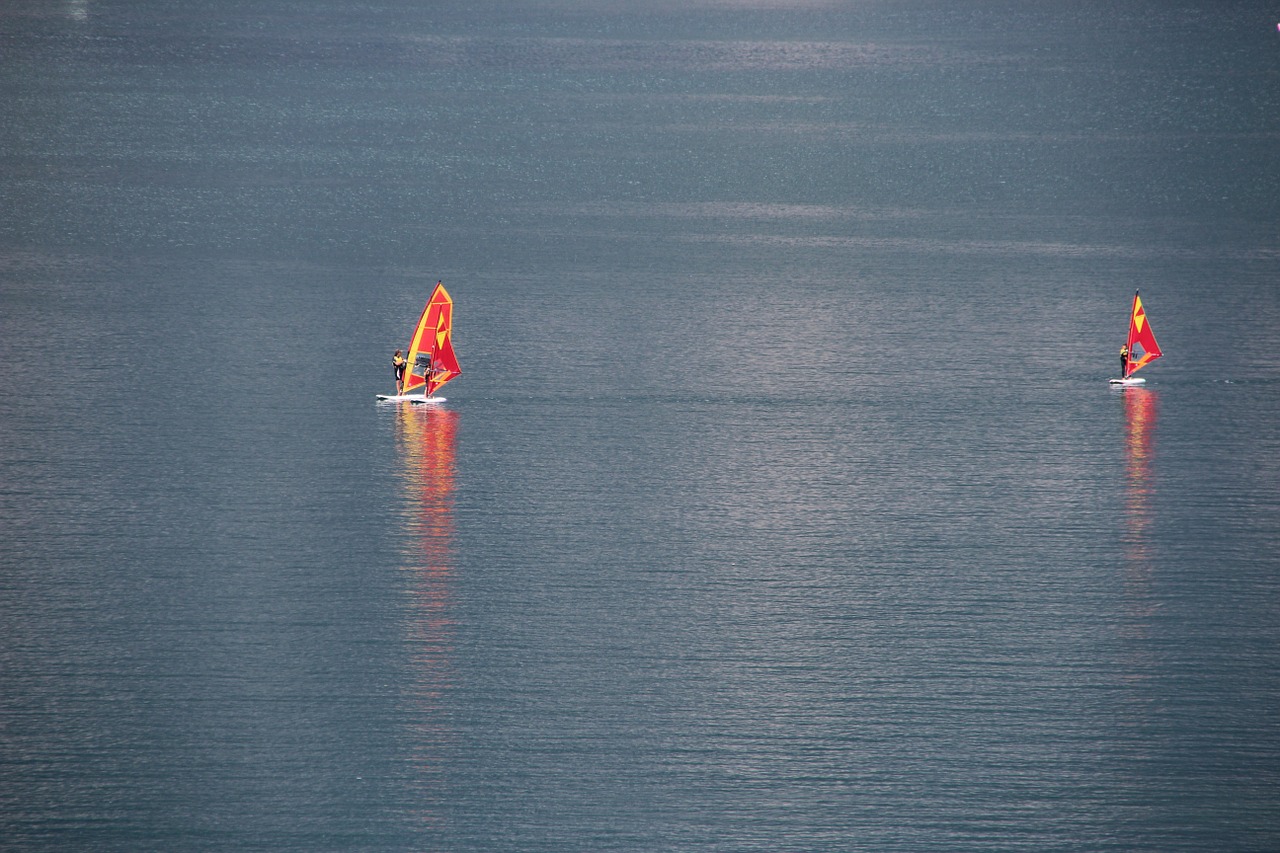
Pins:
x: 419, y: 353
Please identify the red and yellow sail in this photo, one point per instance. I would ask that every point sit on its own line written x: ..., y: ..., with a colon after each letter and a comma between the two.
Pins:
x: 1142, y: 345
x: 432, y: 362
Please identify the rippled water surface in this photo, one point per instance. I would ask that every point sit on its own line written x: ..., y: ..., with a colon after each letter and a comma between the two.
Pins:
x: 782, y: 504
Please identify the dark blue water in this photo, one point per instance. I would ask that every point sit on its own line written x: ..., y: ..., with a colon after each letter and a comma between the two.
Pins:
x: 782, y: 504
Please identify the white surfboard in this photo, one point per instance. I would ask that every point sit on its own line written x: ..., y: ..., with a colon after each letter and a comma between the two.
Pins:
x: 408, y: 398
x: 1132, y: 380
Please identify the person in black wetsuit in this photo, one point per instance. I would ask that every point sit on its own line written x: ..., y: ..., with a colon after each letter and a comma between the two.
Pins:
x: 397, y: 364
x: 1124, y: 362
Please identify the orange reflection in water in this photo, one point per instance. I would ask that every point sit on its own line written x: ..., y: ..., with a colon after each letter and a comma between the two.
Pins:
x: 428, y: 440
x: 1140, y: 408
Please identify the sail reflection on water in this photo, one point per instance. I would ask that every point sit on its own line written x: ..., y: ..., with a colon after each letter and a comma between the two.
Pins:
x: 427, y: 442
x: 1140, y: 409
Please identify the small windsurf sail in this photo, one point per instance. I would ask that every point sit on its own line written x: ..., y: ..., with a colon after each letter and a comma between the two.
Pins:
x: 432, y: 362
x: 1141, y: 345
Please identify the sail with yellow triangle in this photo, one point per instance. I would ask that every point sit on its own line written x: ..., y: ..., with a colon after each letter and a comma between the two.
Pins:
x: 431, y: 361
x: 1140, y: 348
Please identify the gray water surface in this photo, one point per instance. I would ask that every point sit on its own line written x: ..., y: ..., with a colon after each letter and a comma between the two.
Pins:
x: 782, y: 504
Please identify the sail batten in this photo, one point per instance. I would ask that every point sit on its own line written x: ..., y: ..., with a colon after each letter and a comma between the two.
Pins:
x: 432, y: 361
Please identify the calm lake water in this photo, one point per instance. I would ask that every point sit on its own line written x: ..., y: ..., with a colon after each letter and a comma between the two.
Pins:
x: 782, y: 504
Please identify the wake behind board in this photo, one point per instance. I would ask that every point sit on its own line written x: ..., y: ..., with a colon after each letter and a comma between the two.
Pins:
x: 408, y: 398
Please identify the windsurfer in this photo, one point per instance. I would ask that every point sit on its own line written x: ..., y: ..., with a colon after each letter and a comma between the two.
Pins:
x: 422, y: 365
x: 397, y: 364
x: 1124, y: 362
